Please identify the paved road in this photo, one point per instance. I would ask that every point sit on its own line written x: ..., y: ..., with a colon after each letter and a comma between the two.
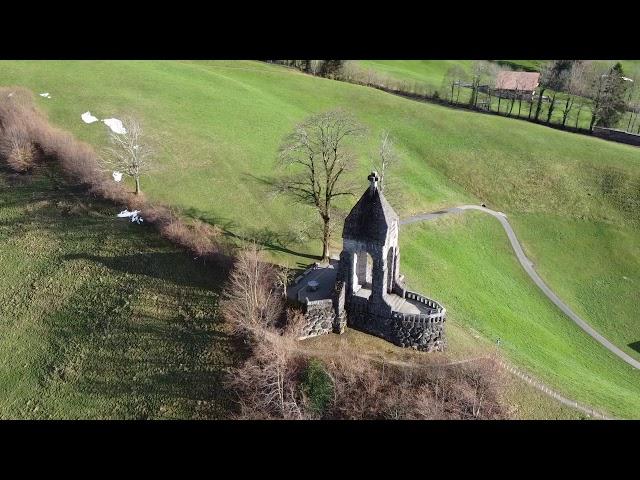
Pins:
x: 528, y: 267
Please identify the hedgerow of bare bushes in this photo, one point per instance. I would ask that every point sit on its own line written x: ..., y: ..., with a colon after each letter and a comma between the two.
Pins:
x: 274, y: 382
x: 27, y: 138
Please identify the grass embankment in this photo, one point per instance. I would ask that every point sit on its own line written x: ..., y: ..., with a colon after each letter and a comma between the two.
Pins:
x: 101, y: 317
x: 473, y: 269
x: 219, y: 125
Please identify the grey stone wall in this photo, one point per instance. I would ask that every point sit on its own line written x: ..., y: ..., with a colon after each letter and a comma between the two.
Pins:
x: 319, y: 319
x: 617, y: 136
x: 340, y: 319
x: 421, y: 332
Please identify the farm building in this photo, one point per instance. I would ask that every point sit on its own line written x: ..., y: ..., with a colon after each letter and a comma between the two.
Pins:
x: 516, y: 84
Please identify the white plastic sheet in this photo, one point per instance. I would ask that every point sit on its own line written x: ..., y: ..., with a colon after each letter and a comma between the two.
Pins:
x: 115, y: 125
x: 88, y: 118
x: 134, y: 216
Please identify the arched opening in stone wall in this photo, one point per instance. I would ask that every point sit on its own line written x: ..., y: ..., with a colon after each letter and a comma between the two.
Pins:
x: 362, y: 285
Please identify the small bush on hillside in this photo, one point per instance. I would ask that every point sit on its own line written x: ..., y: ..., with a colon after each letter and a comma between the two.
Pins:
x: 17, y: 150
x: 317, y: 386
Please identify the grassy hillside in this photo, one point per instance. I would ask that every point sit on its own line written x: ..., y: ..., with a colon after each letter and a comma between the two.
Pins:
x: 218, y: 125
x: 474, y: 270
x: 431, y: 72
x: 108, y: 321
x: 101, y: 319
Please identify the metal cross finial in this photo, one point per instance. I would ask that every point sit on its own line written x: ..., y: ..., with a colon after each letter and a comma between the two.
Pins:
x: 373, y: 179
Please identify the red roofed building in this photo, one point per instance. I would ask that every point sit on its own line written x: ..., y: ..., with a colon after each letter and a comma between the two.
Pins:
x: 516, y: 84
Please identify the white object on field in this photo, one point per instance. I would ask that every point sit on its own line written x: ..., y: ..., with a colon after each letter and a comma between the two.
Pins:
x: 45, y: 95
x: 88, y: 118
x: 115, y: 125
x: 135, y: 216
x: 117, y: 176
x: 10, y: 95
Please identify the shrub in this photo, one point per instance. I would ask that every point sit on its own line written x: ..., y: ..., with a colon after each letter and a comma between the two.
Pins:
x: 317, y: 386
x: 17, y: 150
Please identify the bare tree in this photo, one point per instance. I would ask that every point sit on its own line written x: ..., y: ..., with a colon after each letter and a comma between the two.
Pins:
x: 318, y: 149
x: 481, y: 69
x: 452, y: 79
x: 387, y: 158
x: 252, y: 302
x: 553, y: 76
x: 574, y: 88
x: 129, y: 153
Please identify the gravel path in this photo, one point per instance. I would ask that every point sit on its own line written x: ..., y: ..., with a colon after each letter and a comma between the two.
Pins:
x: 528, y: 267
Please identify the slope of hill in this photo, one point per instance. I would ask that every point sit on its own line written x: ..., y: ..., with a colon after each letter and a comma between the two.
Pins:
x: 218, y: 125
x: 473, y: 268
x: 101, y: 318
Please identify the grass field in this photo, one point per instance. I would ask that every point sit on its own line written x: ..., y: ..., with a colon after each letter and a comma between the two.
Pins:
x: 108, y: 321
x: 474, y: 271
x: 101, y: 318
x: 218, y: 125
x: 430, y: 72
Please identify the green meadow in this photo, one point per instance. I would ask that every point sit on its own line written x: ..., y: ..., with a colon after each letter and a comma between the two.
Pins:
x: 100, y: 317
x: 216, y: 127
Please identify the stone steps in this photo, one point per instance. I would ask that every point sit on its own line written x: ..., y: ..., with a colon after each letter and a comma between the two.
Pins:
x: 396, y: 302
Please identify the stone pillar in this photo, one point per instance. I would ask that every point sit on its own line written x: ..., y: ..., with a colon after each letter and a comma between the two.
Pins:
x: 378, y: 276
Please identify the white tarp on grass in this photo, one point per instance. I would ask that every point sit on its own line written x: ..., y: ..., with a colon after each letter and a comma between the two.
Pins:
x: 115, y: 125
x: 88, y: 118
x: 45, y: 95
x: 134, y: 216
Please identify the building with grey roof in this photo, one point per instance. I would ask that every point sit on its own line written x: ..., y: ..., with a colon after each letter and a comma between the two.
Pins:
x: 364, y: 288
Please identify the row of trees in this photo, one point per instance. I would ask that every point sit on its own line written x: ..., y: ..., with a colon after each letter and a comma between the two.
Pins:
x: 565, y: 85
x: 322, y: 68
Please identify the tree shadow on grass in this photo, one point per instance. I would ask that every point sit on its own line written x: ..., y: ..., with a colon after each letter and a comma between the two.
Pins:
x: 147, y: 342
x: 135, y: 335
x: 265, y: 237
x: 175, y: 267
x: 635, y: 346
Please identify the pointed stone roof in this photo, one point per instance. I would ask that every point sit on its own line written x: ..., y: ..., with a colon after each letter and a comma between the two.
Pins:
x: 371, y: 217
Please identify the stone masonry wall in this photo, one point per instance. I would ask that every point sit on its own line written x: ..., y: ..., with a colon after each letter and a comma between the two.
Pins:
x: 414, y: 331
x: 319, y: 317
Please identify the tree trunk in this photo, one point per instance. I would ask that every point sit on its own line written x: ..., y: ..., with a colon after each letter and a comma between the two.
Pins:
x: 551, y: 108
x: 519, y: 106
x: 137, y: 185
x: 565, y: 114
x: 326, y: 236
x: 539, y: 106
x: 593, y: 120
